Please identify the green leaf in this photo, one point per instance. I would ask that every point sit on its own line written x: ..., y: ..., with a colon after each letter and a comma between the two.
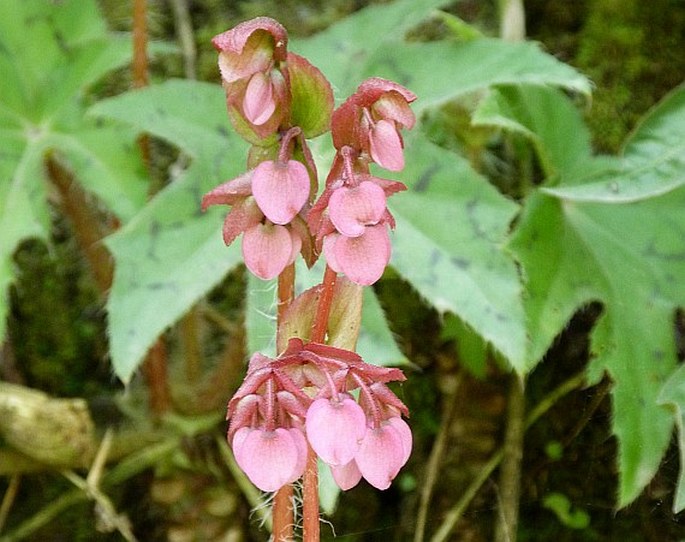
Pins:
x: 170, y: 254
x: 23, y: 208
x: 167, y: 258
x: 628, y: 257
x: 441, y: 71
x: 189, y: 114
x: 450, y: 227
x: 628, y: 254
x: 653, y: 160
x: 673, y: 396
x: 341, y: 50
x: 545, y: 116
x: 50, y: 53
x: 107, y: 162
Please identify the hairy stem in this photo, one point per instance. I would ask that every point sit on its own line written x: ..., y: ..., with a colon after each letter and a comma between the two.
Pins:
x: 88, y: 228
x: 310, y: 507
x: 310, y: 512
x: 283, y: 510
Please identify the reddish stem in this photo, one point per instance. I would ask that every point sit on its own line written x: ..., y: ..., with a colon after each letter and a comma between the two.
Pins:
x: 310, y: 507
x: 155, y: 372
x: 283, y: 512
x: 140, y: 63
x: 324, y: 307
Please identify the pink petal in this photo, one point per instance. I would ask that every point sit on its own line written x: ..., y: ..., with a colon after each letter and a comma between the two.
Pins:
x: 393, y: 106
x: 281, y: 189
x: 270, y: 459
x: 267, y: 249
x: 259, y: 103
x: 346, y: 476
x: 380, y: 455
x: 250, y: 47
x: 363, y: 259
x: 334, y: 429
x: 302, y: 451
x: 256, y: 58
x: 386, y: 146
x: 229, y: 192
x: 405, y: 434
x: 244, y: 215
x: 352, y: 209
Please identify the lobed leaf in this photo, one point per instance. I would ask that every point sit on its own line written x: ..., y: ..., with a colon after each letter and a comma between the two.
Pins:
x: 450, y: 228
x: 653, y: 161
x: 629, y: 256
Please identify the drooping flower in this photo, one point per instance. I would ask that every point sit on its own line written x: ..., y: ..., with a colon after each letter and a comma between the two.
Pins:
x: 362, y: 258
x: 270, y: 459
x: 281, y: 189
x: 381, y: 455
x: 335, y: 428
x: 353, y: 208
x: 346, y: 476
x: 268, y: 248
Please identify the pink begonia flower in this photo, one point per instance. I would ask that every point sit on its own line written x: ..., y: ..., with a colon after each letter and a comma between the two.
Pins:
x: 281, y: 189
x: 250, y: 47
x: 381, y: 455
x: 252, y: 57
x: 386, y: 146
x: 370, y: 121
x: 259, y: 103
x: 270, y: 459
x: 346, y: 476
x: 351, y: 209
x: 364, y: 258
x: 405, y: 434
x: 269, y: 248
x: 335, y: 428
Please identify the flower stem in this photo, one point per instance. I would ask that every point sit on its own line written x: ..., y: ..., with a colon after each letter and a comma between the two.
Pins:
x: 324, y: 307
x: 283, y: 512
x: 310, y: 507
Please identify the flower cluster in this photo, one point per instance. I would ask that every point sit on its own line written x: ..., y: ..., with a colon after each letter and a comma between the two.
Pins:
x: 272, y: 418
x: 276, y: 100
x: 311, y: 395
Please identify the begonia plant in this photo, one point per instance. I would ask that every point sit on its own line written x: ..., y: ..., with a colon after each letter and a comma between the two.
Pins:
x: 313, y: 399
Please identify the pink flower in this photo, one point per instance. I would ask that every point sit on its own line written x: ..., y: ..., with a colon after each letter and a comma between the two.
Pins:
x: 351, y: 209
x: 385, y: 145
x: 276, y: 190
x: 371, y: 119
x: 270, y: 459
x: 259, y: 103
x: 334, y: 428
x: 383, y: 452
x: 281, y: 189
x: 346, y: 476
x: 250, y: 61
x: 269, y: 248
x: 363, y: 258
